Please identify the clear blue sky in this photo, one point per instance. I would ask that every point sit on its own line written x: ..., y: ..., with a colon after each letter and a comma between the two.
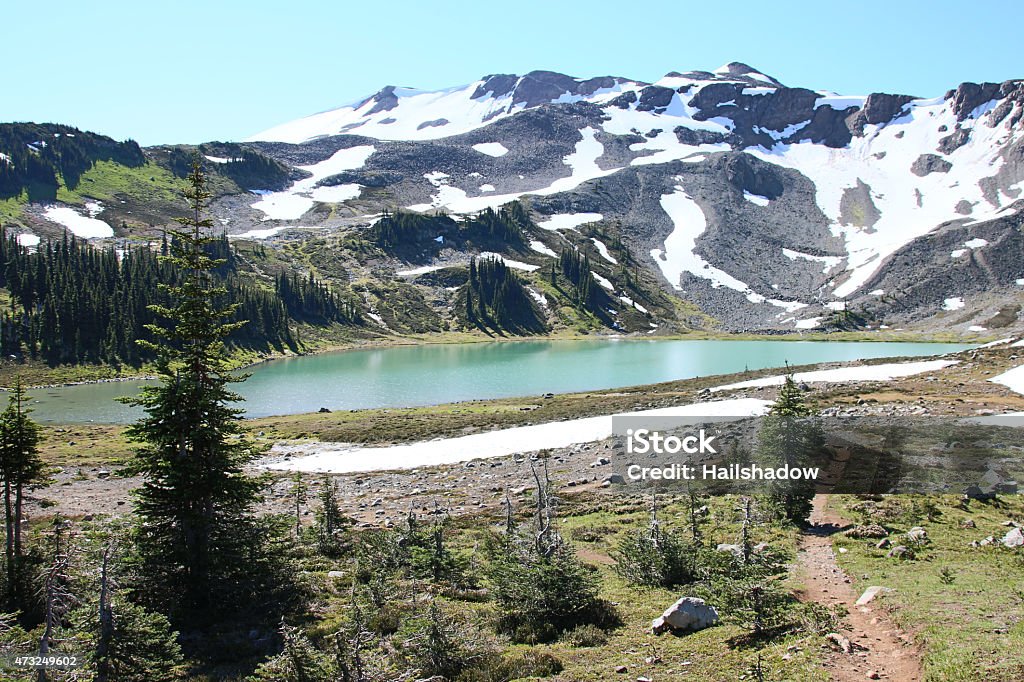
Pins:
x: 191, y: 71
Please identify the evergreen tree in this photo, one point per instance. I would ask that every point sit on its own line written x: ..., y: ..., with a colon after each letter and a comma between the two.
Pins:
x: 196, y: 539
x: 790, y: 437
x: 20, y: 466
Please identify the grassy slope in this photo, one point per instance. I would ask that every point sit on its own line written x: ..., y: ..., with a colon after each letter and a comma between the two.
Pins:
x: 971, y: 628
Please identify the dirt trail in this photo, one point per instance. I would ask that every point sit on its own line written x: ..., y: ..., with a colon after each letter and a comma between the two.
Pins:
x: 878, y: 646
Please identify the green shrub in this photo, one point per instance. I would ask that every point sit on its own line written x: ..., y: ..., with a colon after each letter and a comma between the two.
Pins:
x: 587, y: 635
x: 540, y: 596
x: 515, y: 666
x: 655, y: 557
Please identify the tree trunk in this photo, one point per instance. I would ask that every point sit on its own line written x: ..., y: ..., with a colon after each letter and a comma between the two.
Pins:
x: 106, y: 616
x: 9, y: 526
x: 18, y: 506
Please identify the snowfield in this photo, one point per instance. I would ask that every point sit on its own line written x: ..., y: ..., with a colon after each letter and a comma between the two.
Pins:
x: 86, y: 227
x: 1012, y: 379
x: 339, y: 458
x: 569, y: 221
x: 294, y: 202
x: 679, y: 254
x: 883, y: 372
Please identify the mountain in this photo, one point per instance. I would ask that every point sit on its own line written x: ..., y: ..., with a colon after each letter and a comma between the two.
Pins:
x: 720, y: 198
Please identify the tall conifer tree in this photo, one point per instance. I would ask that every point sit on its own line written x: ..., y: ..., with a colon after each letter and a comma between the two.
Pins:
x: 196, y: 538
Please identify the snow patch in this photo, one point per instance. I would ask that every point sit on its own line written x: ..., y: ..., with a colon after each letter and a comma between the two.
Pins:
x: 628, y: 301
x: 828, y: 262
x: 86, y: 227
x: 338, y: 458
x: 1000, y: 342
x: 420, y: 270
x: 495, y: 149
x: 541, y: 247
x: 294, y: 202
x: 603, y: 250
x: 954, y: 303
x: 270, y: 232
x: 514, y: 264
x: 603, y: 281
x: 569, y: 221
x: 756, y: 198
x: 540, y: 298
x: 809, y: 323
x: 679, y: 255
x: 336, y: 194
x: 883, y: 372
x: 28, y: 239
x: 1013, y: 379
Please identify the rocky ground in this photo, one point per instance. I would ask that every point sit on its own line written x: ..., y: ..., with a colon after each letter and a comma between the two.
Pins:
x: 383, y: 498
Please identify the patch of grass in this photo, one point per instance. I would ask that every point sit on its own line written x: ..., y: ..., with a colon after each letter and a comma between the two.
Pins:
x: 108, y: 181
x: 711, y: 654
x: 971, y: 627
x: 11, y: 209
x: 84, y: 445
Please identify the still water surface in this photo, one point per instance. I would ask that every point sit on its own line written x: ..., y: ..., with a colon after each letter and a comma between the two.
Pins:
x: 439, y: 373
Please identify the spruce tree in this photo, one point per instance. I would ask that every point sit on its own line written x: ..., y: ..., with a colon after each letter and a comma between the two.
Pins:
x: 20, y: 466
x: 790, y: 437
x: 197, y: 541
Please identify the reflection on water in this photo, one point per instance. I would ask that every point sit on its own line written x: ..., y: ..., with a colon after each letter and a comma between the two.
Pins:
x: 432, y: 374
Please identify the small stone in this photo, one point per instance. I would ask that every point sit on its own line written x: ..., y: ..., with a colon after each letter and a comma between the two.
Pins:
x: 870, y: 594
x: 621, y: 669
x: 899, y: 552
x: 839, y: 642
x: 873, y: 675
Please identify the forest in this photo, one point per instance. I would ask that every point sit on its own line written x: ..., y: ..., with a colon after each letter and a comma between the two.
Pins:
x: 75, y: 303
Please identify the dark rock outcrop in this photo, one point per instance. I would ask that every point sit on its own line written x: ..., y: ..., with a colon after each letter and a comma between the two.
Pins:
x: 929, y: 163
x: 385, y: 100
x: 878, y: 108
x: 969, y: 96
x: 655, y: 98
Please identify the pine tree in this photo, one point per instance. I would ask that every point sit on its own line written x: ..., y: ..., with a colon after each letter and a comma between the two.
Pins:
x: 197, y: 541
x: 20, y: 466
x: 790, y: 437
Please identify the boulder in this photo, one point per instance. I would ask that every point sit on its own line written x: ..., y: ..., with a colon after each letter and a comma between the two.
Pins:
x: 917, y: 534
x: 872, y: 530
x: 883, y: 544
x: 1015, y: 538
x: 689, y: 614
x: 614, y: 479
x: 899, y: 552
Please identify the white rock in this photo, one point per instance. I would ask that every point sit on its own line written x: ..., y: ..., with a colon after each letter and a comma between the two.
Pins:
x: 689, y: 614
x: 870, y: 594
x: 1015, y: 538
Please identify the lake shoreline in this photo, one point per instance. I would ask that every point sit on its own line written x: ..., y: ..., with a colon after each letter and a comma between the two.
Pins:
x: 462, y: 338
x: 420, y: 375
